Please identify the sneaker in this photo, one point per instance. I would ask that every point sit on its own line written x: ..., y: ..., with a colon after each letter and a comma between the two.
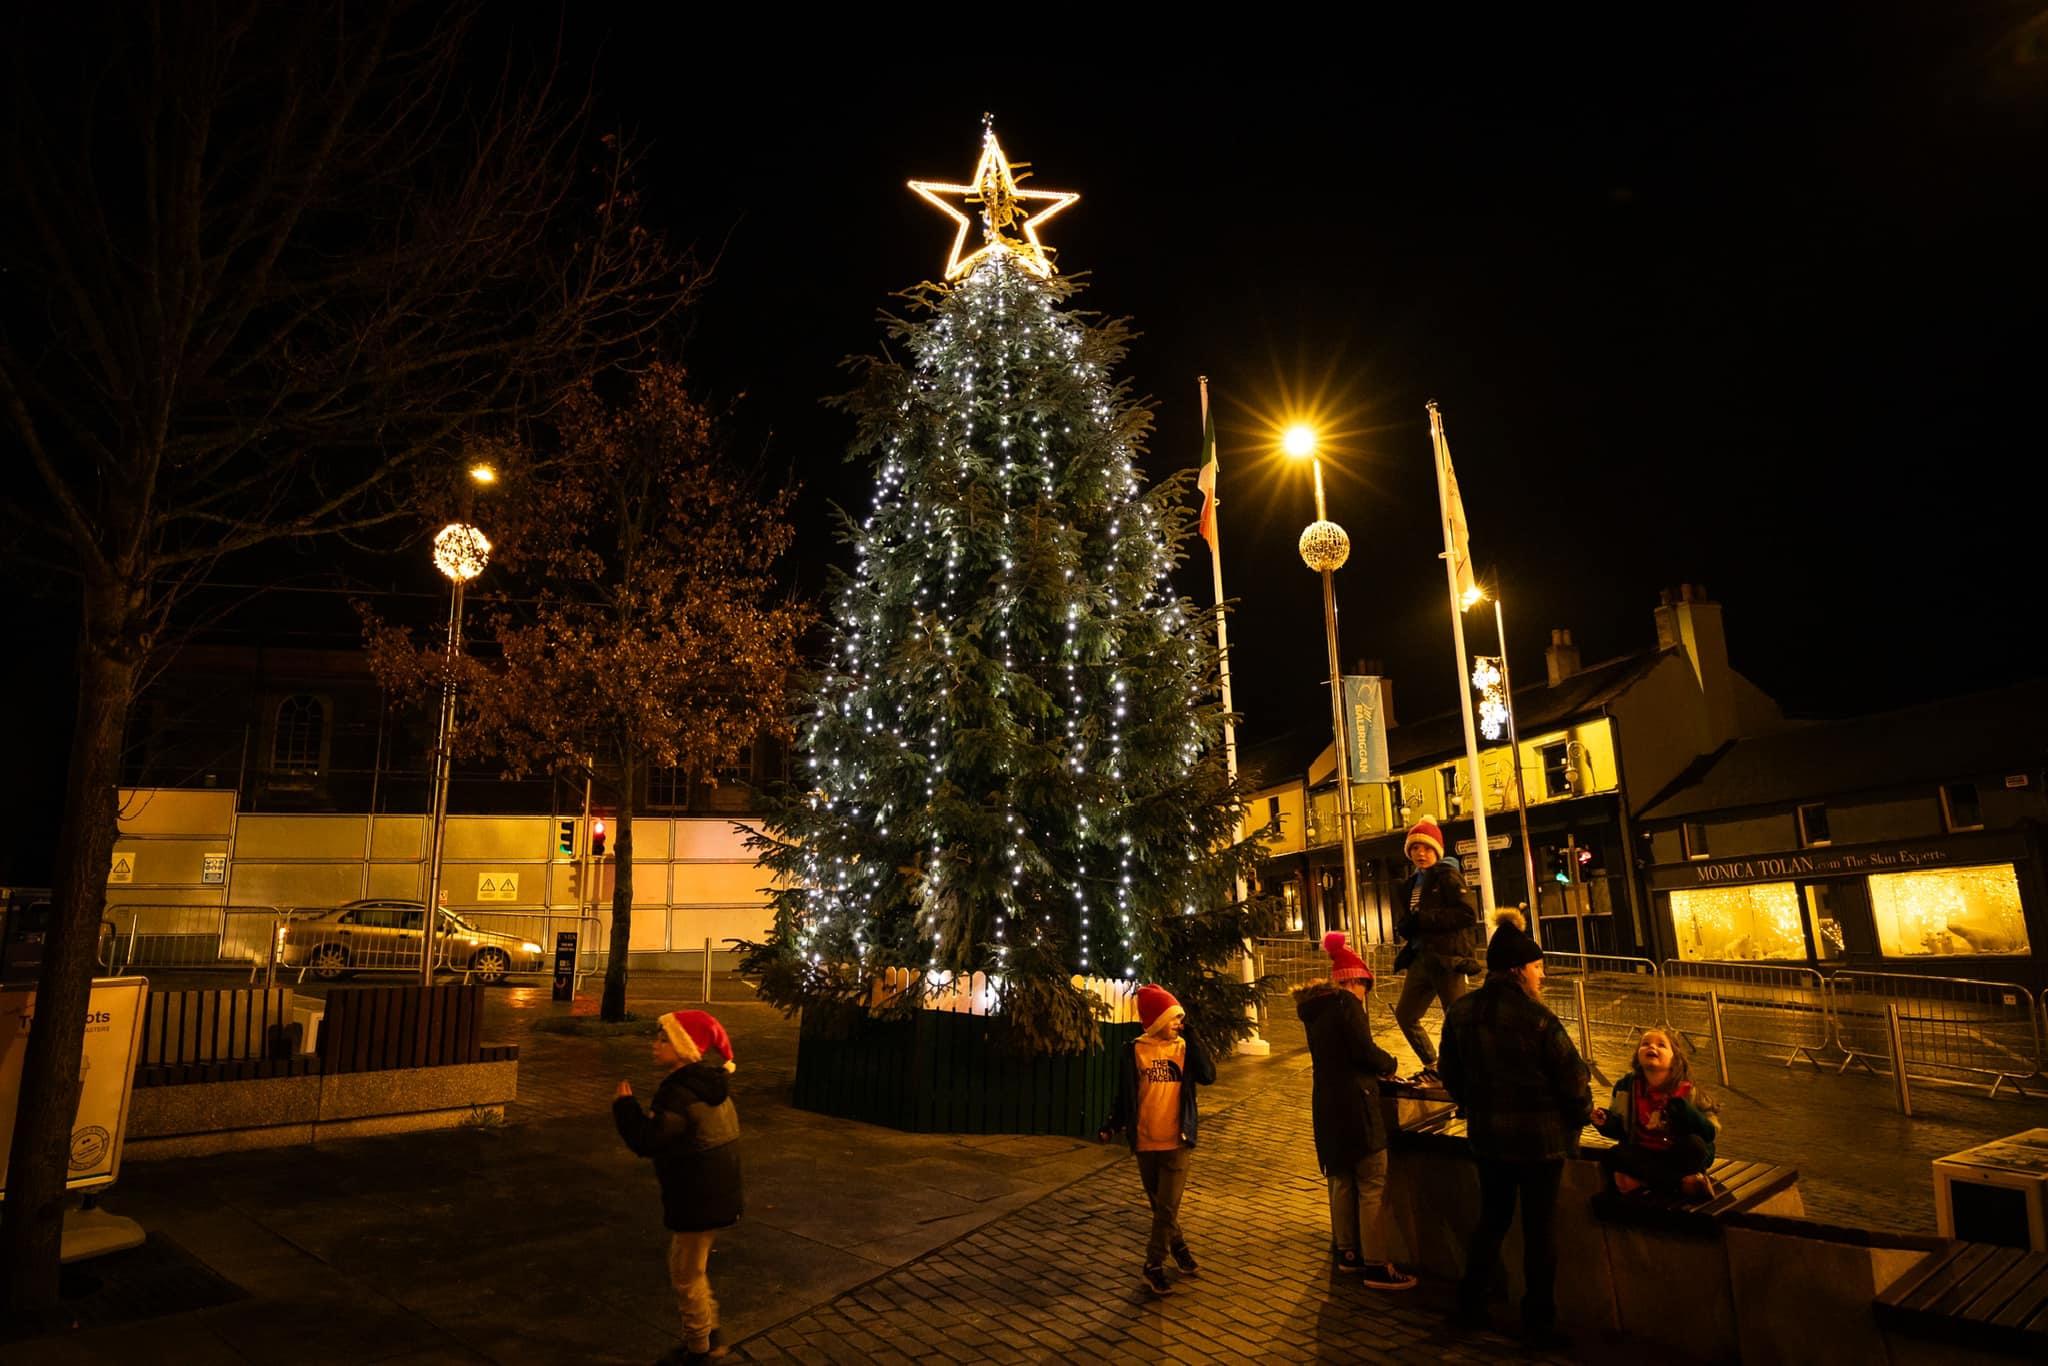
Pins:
x: 1387, y: 1276
x: 1155, y: 1280
x: 1347, y: 1260
x: 1428, y: 1078
x: 1185, y: 1260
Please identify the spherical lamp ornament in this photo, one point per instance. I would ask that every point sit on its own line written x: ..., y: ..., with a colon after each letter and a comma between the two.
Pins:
x: 461, y: 552
x: 1324, y: 546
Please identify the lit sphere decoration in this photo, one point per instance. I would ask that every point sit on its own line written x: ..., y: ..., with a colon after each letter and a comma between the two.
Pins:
x: 461, y: 552
x: 1324, y: 546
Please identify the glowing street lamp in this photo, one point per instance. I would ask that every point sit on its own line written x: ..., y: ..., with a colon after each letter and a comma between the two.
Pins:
x: 461, y: 552
x: 1324, y: 548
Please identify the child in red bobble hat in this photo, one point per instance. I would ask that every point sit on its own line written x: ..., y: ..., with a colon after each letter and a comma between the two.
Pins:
x: 693, y: 1137
x: 1155, y: 1107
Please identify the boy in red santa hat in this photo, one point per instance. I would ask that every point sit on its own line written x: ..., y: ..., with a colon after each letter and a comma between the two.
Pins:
x: 1155, y: 1108
x: 693, y: 1137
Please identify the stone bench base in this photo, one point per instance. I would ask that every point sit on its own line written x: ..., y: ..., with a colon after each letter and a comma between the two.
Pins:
x: 227, y: 1116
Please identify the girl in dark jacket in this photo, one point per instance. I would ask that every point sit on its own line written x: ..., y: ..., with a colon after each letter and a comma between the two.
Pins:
x: 1663, y: 1126
x: 693, y: 1137
x: 1351, y: 1131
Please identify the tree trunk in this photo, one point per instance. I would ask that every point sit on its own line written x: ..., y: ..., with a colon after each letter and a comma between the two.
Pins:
x: 613, y: 1005
x: 32, y: 1217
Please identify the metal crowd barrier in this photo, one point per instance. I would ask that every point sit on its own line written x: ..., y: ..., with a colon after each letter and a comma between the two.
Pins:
x: 1293, y: 961
x: 1764, y: 1005
x: 1945, y: 1025
x: 195, y: 938
x: 1606, y: 1000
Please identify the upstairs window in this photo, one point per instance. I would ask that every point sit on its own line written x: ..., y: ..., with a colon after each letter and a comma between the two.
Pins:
x: 1557, y: 769
x: 300, y: 734
x: 1695, y: 836
x: 1960, y: 809
x: 1813, y: 825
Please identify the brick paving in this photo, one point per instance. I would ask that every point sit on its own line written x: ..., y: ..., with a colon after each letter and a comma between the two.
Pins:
x: 1057, y: 1280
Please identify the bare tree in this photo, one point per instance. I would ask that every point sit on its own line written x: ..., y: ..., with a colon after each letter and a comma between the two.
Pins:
x: 260, y: 261
x: 644, y: 632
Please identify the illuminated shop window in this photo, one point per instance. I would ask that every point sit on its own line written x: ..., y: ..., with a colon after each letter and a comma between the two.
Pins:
x: 1948, y: 911
x: 1737, y: 924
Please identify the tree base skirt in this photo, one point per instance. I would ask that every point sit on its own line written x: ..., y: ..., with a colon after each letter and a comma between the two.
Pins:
x: 942, y: 1073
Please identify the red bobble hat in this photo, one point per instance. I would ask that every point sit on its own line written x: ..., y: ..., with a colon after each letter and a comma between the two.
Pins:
x: 1424, y: 831
x: 1155, y: 1003
x: 1345, y: 966
x: 697, y: 1034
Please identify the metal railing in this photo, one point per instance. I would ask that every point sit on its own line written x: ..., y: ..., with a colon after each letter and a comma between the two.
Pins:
x: 1606, y: 1000
x: 1764, y: 1006
x: 191, y: 937
x: 1944, y: 1025
x: 1293, y: 961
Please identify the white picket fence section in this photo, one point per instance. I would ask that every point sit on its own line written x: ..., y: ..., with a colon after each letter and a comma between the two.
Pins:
x: 979, y: 993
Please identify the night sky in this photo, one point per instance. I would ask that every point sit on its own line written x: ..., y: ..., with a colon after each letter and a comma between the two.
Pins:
x: 1757, y: 306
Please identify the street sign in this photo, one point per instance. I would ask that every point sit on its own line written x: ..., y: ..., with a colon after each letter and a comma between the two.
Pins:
x: 113, y: 1026
x: 1494, y: 842
x: 124, y: 866
x: 497, y: 886
x: 565, y: 965
x: 213, y: 869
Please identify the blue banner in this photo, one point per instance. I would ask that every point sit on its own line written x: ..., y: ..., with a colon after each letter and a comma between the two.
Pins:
x: 1365, y: 730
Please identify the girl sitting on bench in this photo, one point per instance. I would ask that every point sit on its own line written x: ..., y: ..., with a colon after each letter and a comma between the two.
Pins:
x: 1663, y: 1126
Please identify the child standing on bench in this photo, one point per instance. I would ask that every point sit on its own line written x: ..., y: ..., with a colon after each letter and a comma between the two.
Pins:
x: 1663, y: 1126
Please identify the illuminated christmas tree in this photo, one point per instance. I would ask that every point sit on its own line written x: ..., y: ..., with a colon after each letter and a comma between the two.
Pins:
x: 1013, y: 751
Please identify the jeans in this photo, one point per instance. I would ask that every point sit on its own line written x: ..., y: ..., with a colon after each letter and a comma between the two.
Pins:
x: 689, y: 1258
x: 1428, y: 978
x: 1659, y: 1170
x: 1165, y: 1175
x: 1358, y: 1207
x: 1500, y: 1183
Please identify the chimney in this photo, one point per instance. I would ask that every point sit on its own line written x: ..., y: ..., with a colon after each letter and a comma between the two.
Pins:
x: 1373, y: 668
x: 1687, y: 618
x: 1562, y: 658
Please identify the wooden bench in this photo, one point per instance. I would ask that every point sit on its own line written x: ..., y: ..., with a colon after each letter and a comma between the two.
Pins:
x: 1739, y: 1188
x: 1973, y: 1296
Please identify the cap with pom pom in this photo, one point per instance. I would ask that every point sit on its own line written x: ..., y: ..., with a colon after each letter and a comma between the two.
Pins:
x: 1511, y: 945
x: 1345, y: 966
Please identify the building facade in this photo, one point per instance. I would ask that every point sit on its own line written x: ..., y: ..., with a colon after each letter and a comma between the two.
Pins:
x: 1594, y: 742
x: 1908, y: 842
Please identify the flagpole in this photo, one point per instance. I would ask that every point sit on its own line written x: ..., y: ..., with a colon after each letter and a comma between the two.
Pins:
x: 1254, y: 1045
x: 1507, y: 689
x: 1443, y: 499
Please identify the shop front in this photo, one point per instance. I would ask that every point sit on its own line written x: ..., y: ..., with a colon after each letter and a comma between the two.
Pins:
x: 1958, y: 906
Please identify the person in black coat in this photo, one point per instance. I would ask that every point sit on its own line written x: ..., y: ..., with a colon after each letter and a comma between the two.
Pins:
x: 1444, y: 941
x: 1350, y: 1128
x: 693, y: 1137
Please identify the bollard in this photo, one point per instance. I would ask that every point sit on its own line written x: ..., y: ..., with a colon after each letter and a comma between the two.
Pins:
x: 1891, y: 1030
x: 707, y: 970
x: 1720, y: 1045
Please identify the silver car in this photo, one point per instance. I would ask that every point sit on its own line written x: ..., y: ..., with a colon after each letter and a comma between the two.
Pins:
x: 383, y: 935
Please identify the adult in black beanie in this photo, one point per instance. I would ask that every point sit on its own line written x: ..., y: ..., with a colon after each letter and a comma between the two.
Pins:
x: 1511, y: 1066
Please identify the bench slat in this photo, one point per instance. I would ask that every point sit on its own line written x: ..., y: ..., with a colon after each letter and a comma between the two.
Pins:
x: 1966, y: 1290
x: 2027, y: 1267
x: 2025, y: 1308
x: 1934, y: 1287
x: 1895, y: 1294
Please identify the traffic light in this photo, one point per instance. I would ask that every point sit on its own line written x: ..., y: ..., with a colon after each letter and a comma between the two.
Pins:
x: 565, y: 839
x: 597, y: 839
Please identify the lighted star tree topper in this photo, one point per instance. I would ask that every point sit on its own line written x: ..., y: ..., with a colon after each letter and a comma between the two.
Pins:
x: 1011, y: 758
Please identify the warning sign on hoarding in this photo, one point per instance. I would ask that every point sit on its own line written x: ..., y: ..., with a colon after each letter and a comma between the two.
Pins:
x: 213, y: 869
x: 497, y: 886
x: 124, y: 866
x: 113, y: 1025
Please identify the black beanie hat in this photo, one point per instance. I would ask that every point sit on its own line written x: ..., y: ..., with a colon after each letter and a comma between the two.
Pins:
x: 1511, y: 945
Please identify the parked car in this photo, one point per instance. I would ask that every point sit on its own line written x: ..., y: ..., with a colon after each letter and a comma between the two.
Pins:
x: 384, y: 935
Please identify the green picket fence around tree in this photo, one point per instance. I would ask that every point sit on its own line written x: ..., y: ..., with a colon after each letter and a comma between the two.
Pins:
x: 945, y: 1072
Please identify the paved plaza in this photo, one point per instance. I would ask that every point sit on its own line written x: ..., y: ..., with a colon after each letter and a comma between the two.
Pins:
x: 539, y: 1240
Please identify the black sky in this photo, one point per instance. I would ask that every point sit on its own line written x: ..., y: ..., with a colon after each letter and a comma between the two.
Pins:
x: 1759, y: 307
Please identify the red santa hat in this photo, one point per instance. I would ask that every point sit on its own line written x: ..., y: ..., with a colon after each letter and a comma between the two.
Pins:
x: 1157, y: 1008
x: 697, y: 1034
x: 1345, y: 966
x: 1424, y: 831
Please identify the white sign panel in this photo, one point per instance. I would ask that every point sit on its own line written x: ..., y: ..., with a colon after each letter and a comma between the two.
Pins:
x: 1493, y: 842
x: 213, y: 869
x: 124, y: 866
x: 497, y: 886
x: 113, y: 1027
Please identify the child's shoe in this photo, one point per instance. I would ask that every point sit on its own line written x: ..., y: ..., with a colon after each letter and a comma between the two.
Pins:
x: 1697, y: 1186
x: 1155, y: 1280
x: 1185, y: 1260
x: 1348, y: 1260
x: 1626, y: 1184
x: 1387, y: 1276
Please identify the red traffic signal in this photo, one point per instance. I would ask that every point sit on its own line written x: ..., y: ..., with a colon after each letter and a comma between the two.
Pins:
x: 597, y: 839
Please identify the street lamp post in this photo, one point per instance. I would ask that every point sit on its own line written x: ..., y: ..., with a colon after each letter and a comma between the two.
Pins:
x: 1324, y: 548
x: 1507, y: 691
x: 460, y: 552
